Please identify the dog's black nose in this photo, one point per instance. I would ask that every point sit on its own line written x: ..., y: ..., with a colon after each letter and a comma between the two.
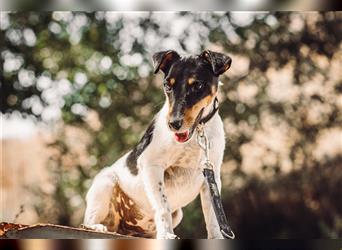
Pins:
x: 176, y: 124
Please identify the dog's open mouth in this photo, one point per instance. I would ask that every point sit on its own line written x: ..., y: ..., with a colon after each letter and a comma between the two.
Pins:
x: 183, y: 137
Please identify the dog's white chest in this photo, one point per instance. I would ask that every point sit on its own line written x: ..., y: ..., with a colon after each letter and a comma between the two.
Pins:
x: 183, y: 177
x: 186, y: 156
x: 182, y: 185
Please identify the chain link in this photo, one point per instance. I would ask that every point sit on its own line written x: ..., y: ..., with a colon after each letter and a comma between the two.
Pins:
x: 203, y: 142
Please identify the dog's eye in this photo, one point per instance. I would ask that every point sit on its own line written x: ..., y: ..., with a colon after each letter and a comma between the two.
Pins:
x: 198, y: 86
x: 167, y: 86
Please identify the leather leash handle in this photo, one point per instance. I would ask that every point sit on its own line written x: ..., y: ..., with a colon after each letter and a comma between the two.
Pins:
x: 217, y: 204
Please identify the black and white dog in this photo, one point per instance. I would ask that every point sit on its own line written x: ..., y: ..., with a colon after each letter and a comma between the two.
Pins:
x: 143, y: 193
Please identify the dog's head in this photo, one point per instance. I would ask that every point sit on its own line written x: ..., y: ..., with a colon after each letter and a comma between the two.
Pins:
x: 190, y: 85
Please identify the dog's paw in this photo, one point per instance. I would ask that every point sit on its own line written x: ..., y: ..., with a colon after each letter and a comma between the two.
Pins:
x: 215, y: 237
x: 166, y: 236
x: 96, y: 227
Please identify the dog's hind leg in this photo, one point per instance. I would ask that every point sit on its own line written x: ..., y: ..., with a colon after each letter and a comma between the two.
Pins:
x: 98, y: 200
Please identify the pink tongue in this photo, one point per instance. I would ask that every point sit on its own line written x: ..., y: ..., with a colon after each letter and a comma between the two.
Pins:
x: 182, y: 137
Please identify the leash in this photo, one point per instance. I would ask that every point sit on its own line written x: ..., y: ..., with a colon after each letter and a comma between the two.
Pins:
x: 208, y: 172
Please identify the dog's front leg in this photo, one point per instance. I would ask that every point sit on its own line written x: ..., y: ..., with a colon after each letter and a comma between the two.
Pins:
x: 212, y: 225
x: 153, y: 178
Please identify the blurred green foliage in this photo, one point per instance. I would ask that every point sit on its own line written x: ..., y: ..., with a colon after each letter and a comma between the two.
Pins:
x: 69, y: 64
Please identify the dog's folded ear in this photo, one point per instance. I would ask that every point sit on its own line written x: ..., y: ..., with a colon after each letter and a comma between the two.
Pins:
x: 163, y: 60
x: 219, y: 62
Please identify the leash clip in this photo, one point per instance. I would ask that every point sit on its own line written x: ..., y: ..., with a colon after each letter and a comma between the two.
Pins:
x: 203, y: 142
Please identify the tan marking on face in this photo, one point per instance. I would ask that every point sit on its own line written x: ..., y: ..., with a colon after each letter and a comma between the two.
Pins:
x: 190, y: 114
x: 191, y: 80
x: 172, y: 81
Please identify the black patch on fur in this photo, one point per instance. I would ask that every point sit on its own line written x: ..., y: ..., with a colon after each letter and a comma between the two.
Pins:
x: 132, y: 158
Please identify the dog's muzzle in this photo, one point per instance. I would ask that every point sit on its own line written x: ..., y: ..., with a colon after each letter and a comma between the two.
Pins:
x: 186, y: 135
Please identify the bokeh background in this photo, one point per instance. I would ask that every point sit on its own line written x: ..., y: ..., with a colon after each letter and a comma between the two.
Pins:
x: 77, y: 91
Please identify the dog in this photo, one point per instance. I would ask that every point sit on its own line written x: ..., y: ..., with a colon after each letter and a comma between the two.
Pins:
x: 142, y: 194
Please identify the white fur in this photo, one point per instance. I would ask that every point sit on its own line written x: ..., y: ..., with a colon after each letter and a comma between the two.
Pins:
x: 186, y: 183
